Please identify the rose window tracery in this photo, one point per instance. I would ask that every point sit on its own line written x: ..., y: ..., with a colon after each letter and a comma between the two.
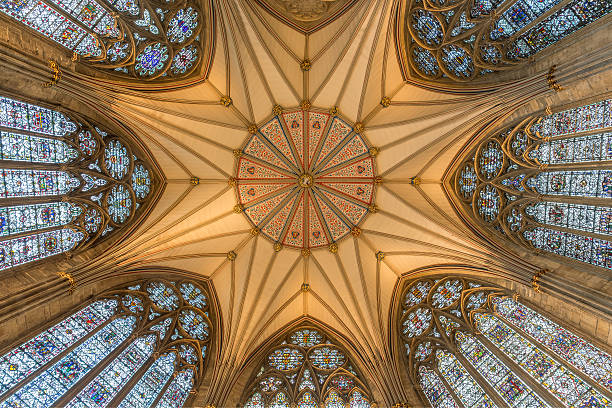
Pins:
x: 306, y: 178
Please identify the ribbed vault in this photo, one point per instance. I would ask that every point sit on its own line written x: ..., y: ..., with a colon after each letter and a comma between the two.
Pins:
x: 350, y: 64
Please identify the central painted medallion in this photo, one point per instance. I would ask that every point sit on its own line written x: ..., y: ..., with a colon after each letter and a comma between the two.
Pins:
x: 306, y: 178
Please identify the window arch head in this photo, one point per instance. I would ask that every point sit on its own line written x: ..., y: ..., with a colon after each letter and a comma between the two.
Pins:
x: 133, y: 41
x: 142, y: 344
x: 450, y: 43
x: 469, y: 343
x: 306, y: 368
x: 546, y: 183
x: 67, y: 184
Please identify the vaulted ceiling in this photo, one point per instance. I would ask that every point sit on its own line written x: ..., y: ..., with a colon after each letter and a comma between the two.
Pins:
x: 353, y: 66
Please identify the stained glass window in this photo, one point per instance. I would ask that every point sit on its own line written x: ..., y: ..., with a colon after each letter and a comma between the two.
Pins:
x: 479, y: 347
x: 143, y: 40
x: 466, y: 40
x: 550, y: 186
x: 86, y: 183
x: 127, y: 348
x: 306, y: 369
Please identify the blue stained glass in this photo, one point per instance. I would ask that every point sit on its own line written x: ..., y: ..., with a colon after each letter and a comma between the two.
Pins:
x: 34, y: 149
x: 182, y: 25
x: 30, y: 183
x: 107, y: 384
x: 434, y: 389
x: 184, y: 59
x: 575, y: 150
x: 587, y: 358
x: 24, y: 116
x: 193, y: 295
x: 457, y: 61
x: 578, y: 183
x: 116, y: 159
x: 19, y: 363
x: 141, y: 181
x: 194, y: 324
x: 17, y: 251
x: 585, y: 118
x: 151, y: 60
x: 50, y: 385
x: 178, y: 391
x: 553, y: 375
x: 326, y: 358
x: 427, y: 27
x: 577, y: 216
x: 119, y: 203
x: 148, y: 387
x: 162, y: 296
x: 24, y: 218
x: 425, y: 62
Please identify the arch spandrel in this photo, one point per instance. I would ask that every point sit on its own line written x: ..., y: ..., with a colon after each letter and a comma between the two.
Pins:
x: 152, y: 45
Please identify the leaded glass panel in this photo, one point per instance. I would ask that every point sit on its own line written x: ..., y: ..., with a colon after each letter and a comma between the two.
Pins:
x: 126, y: 39
x: 306, y: 369
x: 546, y: 183
x: 463, y: 41
x: 124, y: 349
x: 91, y: 183
x: 494, y: 351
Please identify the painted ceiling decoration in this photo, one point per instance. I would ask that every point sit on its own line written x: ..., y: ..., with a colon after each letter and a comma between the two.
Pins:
x: 306, y: 15
x: 306, y: 369
x: 66, y: 183
x: 469, y: 344
x: 145, y: 40
x: 469, y: 40
x: 546, y: 183
x: 306, y: 179
x: 140, y: 345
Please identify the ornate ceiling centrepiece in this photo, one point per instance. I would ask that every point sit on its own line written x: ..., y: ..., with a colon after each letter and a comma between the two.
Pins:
x: 306, y: 178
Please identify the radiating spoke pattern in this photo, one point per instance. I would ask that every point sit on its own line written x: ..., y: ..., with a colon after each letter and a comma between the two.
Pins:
x: 306, y: 178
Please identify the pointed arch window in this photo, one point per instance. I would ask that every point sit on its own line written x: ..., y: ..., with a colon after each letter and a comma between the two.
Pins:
x: 135, y: 346
x: 468, y: 344
x: 307, y: 369
x: 144, y: 39
x: 546, y: 183
x: 65, y: 184
x: 461, y: 41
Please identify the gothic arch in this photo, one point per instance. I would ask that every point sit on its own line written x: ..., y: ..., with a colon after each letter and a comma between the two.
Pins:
x: 148, y: 44
x: 70, y: 184
x: 466, y: 341
x: 150, y: 338
x: 308, y: 365
x: 470, y: 45
x: 542, y: 183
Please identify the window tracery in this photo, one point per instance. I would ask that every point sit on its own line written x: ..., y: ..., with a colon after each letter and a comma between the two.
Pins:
x: 469, y: 344
x: 129, y: 347
x: 306, y: 369
x: 65, y: 184
x: 458, y: 41
x: 144, y: 39
x: 546, y: 183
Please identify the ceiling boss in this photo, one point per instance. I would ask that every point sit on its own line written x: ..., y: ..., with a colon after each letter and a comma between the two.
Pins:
x: 306, y: 178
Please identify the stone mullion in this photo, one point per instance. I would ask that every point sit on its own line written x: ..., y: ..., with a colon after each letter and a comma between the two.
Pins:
x: 34, y: 133
x: 95, y: 371
x: 132, y: 381
x: 9, y: 202
x: 571, y: 230
x: 576, y: 134
x: 596, y: 201
x: 450, y: 390
x: 484, y: 384
x: 539, y: 19
x: 518, y: 370
x: 55, y: 359
x: 545, y: 348
x: 33, y: 232
x: 590, y: 165
x: 164, y: 388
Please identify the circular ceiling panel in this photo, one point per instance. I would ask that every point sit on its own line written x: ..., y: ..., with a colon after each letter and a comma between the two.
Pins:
x: 306, y: 178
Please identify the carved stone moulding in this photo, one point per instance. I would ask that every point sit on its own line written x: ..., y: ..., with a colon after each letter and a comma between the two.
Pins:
x: 306, y: 16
